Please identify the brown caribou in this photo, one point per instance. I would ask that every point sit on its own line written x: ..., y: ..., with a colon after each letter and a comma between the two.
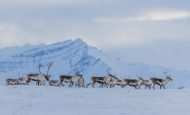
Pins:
x: 65, y: 79
x: 95, y: 80
x: 133, y: 83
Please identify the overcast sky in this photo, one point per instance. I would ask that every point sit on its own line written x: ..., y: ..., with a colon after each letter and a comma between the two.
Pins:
x: 111, y: 25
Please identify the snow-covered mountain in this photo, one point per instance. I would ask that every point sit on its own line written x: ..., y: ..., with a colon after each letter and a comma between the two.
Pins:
x: 75, y: 55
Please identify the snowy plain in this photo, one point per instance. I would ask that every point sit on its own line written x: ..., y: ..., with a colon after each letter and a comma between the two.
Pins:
x: 32, y: 100
x: 70, y: 55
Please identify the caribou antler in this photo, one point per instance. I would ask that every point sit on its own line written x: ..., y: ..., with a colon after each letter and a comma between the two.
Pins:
x: 109, y: 74
x: 77, y: 72
x: 165, y: 73
x: 49, y: 66
x: 40, y: 65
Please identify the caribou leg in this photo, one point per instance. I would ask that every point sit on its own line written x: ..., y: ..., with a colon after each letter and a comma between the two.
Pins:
x: 89, y: 85
x: 93, y: 85
x: 160, y: 86
x: 124, y: 85
x: 104, y: 84
x: 145, y: 87
x: 164, y: 87
x: 61, y: 83
x: 112, y: 86
x: 154, y: 86
x: 37, y: 83
x: 139, y: 86
x: 101, y: 85
x: 149, y: 87
x: 71, y: 84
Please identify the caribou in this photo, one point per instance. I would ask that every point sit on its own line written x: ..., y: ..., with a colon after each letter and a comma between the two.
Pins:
x: 147, y: 83
x: 12, y: 81
x: 104, y: 81
x: 77, y: 80
x: 121, y: 83
x: 95, y: 80
x: 22, y: 81
x: 54, y: 83
x: 133, y: 82
x: 40, y: 78
x: 161, y: 82
x: 66, y: 79
x: 110, y: 80
x: 17, y: 81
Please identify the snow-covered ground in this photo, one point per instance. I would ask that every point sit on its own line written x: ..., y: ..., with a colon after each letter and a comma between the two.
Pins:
x: 31, y: 100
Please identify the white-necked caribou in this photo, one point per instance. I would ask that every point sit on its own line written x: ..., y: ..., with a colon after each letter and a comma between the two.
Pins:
x: 147, y: 83
x: 111, y: 80
x: 77, y: 80
x: 161, y: 82
x: 22, y: 81
x: 40, y: 78
x: 54, y: 83
x: 12, y: 82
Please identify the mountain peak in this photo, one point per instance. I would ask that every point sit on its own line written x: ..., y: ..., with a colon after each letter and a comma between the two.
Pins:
x: 79, y: 41
x: 71, y: 42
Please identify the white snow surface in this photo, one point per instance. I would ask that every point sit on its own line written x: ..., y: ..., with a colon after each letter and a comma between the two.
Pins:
x: 31, y: 100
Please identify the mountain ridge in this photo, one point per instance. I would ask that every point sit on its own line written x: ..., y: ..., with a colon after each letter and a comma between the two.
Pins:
x: 76, y: 55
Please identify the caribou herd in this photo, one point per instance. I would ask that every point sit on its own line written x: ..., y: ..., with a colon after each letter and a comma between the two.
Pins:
x: 109, y: 81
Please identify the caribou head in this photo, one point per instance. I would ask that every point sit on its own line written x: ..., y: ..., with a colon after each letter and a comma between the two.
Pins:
x: 40, y: 77
x: 77, y: 72
x: 47, y: 75
x: 140, y: 78
x: 169, y: 78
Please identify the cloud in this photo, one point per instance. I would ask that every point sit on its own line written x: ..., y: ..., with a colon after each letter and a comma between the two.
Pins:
x: 163, y: 15
x: 46, y: 2
x: 102, y: 25
x: 143, y: 28
x: 13, y: 35
x: 155, y: 15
